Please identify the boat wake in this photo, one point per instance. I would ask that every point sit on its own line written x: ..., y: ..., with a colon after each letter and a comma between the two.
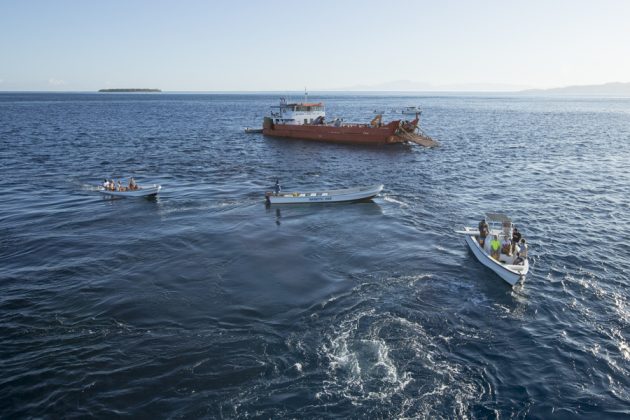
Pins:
x: 391, y: 199
x: 391, y: 364
x: 93, y: 188
x: 361, y: 363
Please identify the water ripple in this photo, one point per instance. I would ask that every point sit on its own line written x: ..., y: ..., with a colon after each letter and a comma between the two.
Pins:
x: 205, y: 303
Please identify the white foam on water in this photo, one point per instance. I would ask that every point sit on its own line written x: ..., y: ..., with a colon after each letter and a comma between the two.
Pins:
x: 364, y: 365
x: 359, y: 365
x: 624, y: 348
x: 393, y: 200
x: 608, y: 322
x: 618, y: 389
x: 620, y: 306
x: 88, y: 187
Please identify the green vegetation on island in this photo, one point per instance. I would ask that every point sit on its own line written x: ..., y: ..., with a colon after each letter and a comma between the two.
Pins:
x: 128, y: 90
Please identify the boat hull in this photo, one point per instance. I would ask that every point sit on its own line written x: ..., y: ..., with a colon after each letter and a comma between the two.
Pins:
x: 348, y: 134
x: 337, y: 196
x: 143, y: 192
x: 510, y: 273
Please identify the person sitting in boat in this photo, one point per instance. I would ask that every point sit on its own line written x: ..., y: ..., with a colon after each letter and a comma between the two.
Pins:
x: 522, y: 253
x: 132, y: 184
x: 277, y: 187
x: 495, y: 246
x: 120, y: 186
x: 105, y: 184
x: 319, y: 120
x: 516, y: 238
x: 483, y: 231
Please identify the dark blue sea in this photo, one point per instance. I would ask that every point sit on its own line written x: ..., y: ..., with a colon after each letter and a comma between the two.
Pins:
x: 205, y: 303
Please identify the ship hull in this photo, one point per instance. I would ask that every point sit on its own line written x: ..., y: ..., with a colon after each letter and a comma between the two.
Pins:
x: 348, y: 134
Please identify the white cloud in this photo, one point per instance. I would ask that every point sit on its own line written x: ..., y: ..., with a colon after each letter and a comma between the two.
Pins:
x: 56, y: 82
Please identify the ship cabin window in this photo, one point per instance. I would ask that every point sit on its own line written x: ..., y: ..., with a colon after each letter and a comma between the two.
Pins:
x: 308, y: 108
x: 305, y: 120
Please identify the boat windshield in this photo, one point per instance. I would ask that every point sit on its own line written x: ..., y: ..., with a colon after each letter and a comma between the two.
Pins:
x: 498, y: 217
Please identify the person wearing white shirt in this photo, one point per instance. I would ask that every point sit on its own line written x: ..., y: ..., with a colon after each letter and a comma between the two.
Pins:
x: 521, y: 256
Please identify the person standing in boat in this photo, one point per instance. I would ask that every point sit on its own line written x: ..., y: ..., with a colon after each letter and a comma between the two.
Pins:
x: 522, y: 253
x: 506, y: 246
x: 516, y: 238
x: 507, y: 229
x: 277, y: 187
x: 483, y: 231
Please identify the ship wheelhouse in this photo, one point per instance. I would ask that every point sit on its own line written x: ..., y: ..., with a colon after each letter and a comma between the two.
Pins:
x: 298, y: 113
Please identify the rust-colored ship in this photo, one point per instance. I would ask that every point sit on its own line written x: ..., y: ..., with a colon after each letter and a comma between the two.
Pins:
x: 307, y: 121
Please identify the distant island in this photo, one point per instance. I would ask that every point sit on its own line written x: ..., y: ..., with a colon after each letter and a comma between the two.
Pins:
x: 128, y: 90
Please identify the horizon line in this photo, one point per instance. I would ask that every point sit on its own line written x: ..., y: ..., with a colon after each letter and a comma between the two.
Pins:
x: 526, y: 92
x: 349, y: 89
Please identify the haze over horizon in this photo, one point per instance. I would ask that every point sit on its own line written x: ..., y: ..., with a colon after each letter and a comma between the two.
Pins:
x: 275, y: 46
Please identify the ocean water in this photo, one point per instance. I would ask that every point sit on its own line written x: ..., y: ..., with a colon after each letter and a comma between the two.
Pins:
x: 205, y: 303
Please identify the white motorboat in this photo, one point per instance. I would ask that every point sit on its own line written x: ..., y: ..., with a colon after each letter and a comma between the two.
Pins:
x: 509, y: 267
x: 140, y: 192
x: 249, y: 130
x: 412, y: 110
x: 333, y: 196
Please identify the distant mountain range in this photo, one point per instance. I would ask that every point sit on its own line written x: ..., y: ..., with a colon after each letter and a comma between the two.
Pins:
x: 411, y: 86
x: 607, y: 89
x: 128, y: 90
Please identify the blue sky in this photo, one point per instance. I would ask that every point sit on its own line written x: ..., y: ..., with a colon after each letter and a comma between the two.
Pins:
x: 284, y: 45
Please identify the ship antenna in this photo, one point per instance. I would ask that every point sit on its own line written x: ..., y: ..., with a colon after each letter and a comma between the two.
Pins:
x: 305, y: 95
